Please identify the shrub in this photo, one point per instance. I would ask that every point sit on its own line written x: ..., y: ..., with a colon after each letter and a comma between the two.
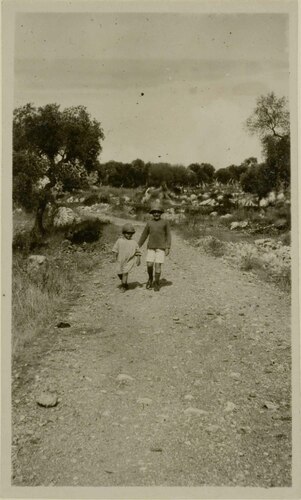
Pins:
x: 104, y: 198
x: 86, y: 231
x: 214, y: 246
x: 26, y: 241
x: 283, y: 278
x: 280, y: 215
x: 92, y: 199
x: 249, y: 262
x: 286, y: 239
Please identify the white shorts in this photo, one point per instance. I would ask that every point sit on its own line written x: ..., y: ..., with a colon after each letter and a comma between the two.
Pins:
x: 156, y: 256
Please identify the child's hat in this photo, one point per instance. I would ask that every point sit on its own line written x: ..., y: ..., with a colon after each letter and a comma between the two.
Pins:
x: 156, y: 207
x: 128, y: 228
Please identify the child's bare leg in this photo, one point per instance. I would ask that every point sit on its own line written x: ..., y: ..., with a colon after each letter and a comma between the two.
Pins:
x: 124, y: 282
x: 157, y: 272
x: 150, y: 270
x: 124, y: 278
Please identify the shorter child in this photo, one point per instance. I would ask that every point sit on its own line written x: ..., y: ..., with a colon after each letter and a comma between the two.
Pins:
x: 127, y: 253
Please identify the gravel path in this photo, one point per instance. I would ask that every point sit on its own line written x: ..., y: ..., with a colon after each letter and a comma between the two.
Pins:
x: 189, y: 386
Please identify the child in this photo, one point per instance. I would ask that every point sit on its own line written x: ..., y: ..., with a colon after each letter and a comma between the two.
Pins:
x: 126, y: 253
x: 158, y: 244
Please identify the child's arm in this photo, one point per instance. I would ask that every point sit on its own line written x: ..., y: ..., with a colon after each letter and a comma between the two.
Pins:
x: 114, y: 256
x: 138, y: 255
x: 115, y: 251
x: 144, y: 235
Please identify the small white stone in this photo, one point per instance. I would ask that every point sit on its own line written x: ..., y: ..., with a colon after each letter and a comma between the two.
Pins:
x: 195, y: 411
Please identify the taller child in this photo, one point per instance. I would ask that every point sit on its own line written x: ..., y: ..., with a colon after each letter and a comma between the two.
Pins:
x: 158, y: 244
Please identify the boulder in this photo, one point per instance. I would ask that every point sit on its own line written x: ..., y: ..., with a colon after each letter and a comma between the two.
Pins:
x: 47, y: 399
x: 264, y: 202
x: 238, y: 225
x: 263, y: 242
x: 36, y: 260
x: 64, y: 217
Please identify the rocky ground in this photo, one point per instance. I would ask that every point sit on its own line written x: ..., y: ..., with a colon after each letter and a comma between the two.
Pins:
x: 189, y: 386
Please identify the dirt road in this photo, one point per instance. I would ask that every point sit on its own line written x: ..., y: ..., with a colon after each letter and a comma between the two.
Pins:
x: 189, y: 386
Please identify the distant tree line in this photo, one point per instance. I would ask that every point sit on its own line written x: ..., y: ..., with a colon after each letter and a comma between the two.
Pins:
x: 138, y: 173
x: 63, y: 147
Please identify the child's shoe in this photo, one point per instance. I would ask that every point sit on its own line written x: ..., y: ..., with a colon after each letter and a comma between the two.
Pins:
x: 156, y: 286
x: 124, y: 287
x: 149, y: 284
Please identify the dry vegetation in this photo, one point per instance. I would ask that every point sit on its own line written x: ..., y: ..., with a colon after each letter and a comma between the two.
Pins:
x: 38, y: 291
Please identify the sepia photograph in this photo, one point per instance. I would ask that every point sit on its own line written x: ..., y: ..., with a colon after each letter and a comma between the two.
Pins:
x: 152, y: 338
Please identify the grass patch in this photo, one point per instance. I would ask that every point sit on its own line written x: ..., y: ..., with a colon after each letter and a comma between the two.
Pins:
x: 214, y: 246
x: 250, y: 262
x: 37, y: 293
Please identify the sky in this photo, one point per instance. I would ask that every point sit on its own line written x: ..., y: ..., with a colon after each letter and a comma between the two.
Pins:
x: 174, y: 87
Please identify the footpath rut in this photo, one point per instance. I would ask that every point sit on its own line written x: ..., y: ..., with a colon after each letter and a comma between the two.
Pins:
x: 189, y: 386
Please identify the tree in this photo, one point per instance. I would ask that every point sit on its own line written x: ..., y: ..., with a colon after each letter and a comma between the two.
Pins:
x: 203, y: 171
x: 209, y: 170
x: 270, y: 117
x: 63, y: 145
x: 277, y: 153
x: 256, y: 180
x: 223, y: 175
x: 138, y: 173
x: 270, y: 121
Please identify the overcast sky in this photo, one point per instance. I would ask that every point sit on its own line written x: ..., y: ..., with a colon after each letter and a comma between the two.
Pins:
x: 165, y: 87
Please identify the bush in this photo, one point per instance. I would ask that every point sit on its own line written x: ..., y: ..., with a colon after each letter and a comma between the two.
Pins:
x: 104, y: 198
x: 286, y: 239
x: 249, y: 262
x: 256, y: 180
x: 214, y: 246
x: 85, y: 231
x: 92, y: 199
x: 26, y: 241
x: 279, y: 213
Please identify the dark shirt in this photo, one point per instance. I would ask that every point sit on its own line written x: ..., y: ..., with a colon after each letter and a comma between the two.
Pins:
x: 159, y: 234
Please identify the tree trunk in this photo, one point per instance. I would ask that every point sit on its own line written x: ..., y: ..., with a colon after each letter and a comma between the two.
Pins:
x: 38, y: 229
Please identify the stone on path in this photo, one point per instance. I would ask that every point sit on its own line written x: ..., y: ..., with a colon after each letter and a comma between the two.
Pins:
x: 47, y: 399
x: 269, y: 405
x: 212, y: 428
x: 195, y: 411
x: 144, y: 401
x: 230, y: 406
x: 122, y: 378
x: 63, y: 324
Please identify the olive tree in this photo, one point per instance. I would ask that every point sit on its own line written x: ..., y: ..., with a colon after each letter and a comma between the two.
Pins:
x: 270, y: 120
x: 61, y: 146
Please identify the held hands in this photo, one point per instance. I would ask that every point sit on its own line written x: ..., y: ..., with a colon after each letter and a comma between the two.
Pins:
x: 113, y: 258
x: 167, y: 250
